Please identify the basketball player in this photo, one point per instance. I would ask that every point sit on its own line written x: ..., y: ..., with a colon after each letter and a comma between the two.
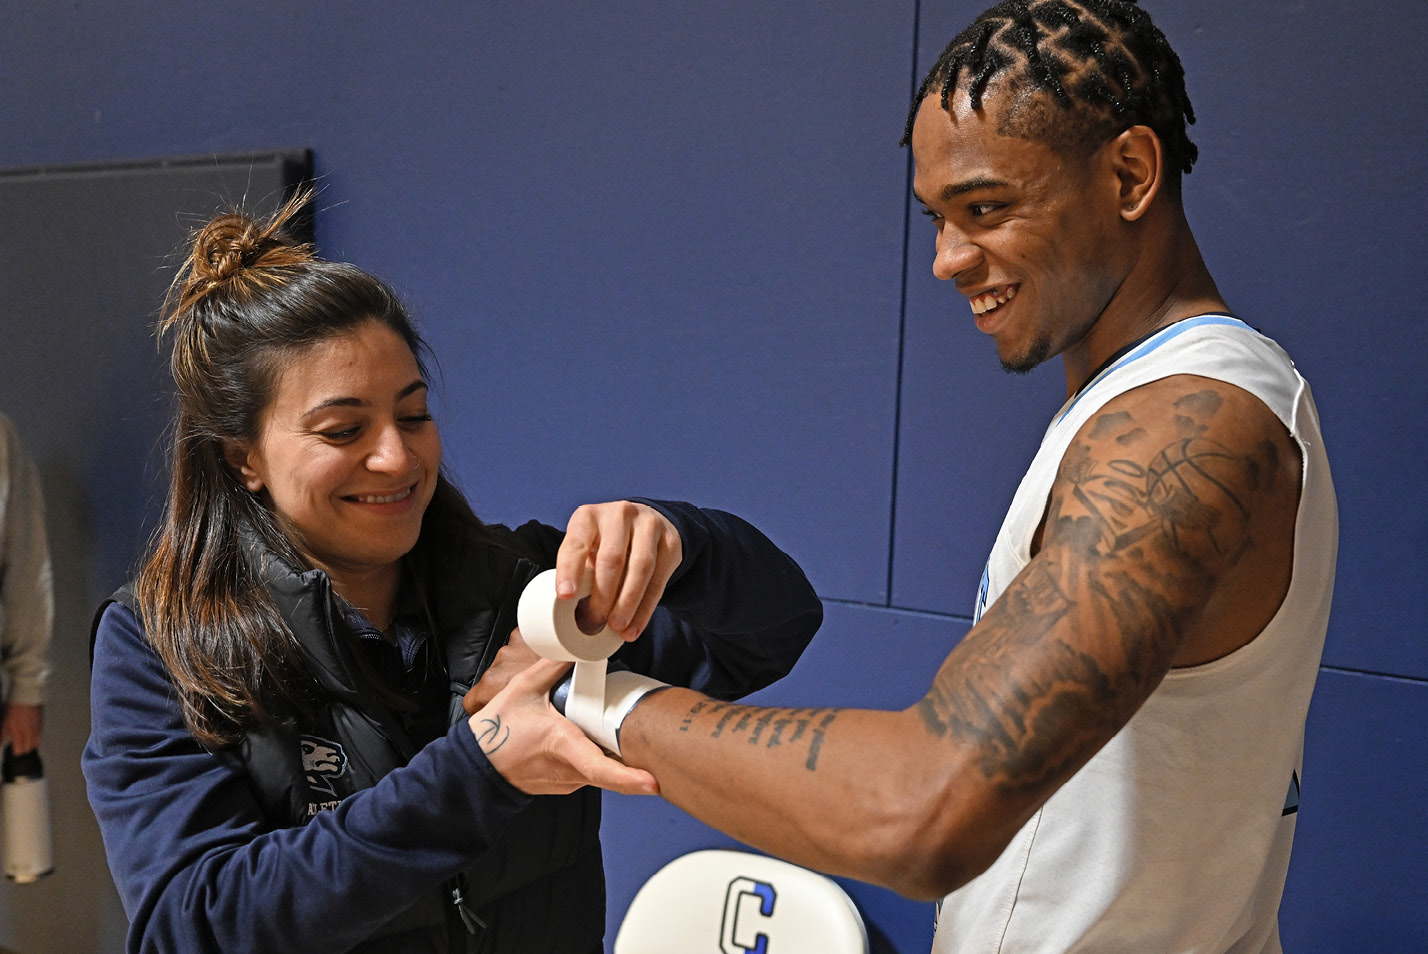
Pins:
x: 1109, y: 760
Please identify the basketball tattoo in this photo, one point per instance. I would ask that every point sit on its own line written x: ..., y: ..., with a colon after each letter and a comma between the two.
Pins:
x: 1132, y: 537
x: 492, y: 734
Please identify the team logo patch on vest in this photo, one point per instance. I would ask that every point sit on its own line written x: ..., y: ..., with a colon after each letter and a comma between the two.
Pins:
x: 324, y: 762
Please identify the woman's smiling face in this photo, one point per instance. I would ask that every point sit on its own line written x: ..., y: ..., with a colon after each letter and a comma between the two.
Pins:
x: 347, y: 450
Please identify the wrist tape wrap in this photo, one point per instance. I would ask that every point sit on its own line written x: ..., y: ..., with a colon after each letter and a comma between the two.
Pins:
x: 623, y: 690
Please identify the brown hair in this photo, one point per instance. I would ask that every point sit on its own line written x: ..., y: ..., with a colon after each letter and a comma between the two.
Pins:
x: 246, y: 301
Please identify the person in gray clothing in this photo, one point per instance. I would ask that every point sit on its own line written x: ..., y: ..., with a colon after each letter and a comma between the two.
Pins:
x: 26, y: 597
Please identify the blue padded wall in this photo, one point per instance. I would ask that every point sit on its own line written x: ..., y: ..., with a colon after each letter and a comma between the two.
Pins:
x: 1360, y: 874
x: 665, y: 249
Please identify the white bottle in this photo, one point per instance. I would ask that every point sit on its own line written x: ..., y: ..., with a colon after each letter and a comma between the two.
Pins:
x: 25, y: 800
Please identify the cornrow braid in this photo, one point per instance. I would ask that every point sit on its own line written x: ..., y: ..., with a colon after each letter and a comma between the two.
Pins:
x: 1106, y: 65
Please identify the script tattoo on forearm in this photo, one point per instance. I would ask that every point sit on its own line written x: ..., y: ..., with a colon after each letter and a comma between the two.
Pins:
x: 1127, y: 547
x: 493, y: 734
x: 694, y: 710
x: 769, y: 727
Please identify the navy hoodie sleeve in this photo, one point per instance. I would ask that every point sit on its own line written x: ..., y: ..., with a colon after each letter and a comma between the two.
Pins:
x: 198, y: 869
x: 735, y: 616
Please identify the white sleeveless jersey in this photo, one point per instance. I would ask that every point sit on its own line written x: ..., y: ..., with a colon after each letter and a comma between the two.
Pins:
x: 1175, y: 837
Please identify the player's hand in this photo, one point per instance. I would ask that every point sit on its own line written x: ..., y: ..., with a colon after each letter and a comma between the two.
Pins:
x: 538, y: 750
x: 633, y: 551
x: 511, y: 659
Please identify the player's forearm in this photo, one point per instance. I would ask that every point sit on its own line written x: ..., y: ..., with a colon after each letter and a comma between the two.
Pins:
x: 825, y: 788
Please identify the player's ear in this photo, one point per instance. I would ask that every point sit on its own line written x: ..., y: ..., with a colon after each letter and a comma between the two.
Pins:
x: 1139, y: 165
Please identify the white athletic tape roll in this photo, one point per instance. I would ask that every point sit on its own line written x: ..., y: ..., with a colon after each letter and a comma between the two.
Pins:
x: 594, y: 703
x: 549, y: 626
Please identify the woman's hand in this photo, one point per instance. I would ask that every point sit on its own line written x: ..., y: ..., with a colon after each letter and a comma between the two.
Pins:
x: 633, y: 551
x: 541, y: 752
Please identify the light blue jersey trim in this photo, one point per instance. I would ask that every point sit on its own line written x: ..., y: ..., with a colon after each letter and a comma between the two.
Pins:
x: 1146, y: 347
x: 982, y: 589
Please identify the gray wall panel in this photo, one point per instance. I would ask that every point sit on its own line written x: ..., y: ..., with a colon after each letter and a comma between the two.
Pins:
x: 85, y: 258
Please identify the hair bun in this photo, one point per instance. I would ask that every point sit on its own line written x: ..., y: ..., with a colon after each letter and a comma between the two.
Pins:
x: 225, y: 254
x: 225, y: 246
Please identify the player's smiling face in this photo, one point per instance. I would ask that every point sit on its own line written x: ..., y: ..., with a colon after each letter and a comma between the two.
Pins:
x: 1025, y: 233
x: 347, y: 452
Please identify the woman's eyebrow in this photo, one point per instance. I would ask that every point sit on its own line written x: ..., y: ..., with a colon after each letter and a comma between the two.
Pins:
x: 410, y: 389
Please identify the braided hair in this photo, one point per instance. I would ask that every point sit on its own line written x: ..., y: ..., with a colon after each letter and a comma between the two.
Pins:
x: 1077, y: 72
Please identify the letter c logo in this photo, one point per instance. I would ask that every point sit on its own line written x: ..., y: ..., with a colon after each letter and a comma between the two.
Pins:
x: 738, y: 900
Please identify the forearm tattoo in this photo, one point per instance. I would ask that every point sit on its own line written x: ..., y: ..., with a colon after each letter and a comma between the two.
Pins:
x: 1132, y: 537
x: 771, y: 728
